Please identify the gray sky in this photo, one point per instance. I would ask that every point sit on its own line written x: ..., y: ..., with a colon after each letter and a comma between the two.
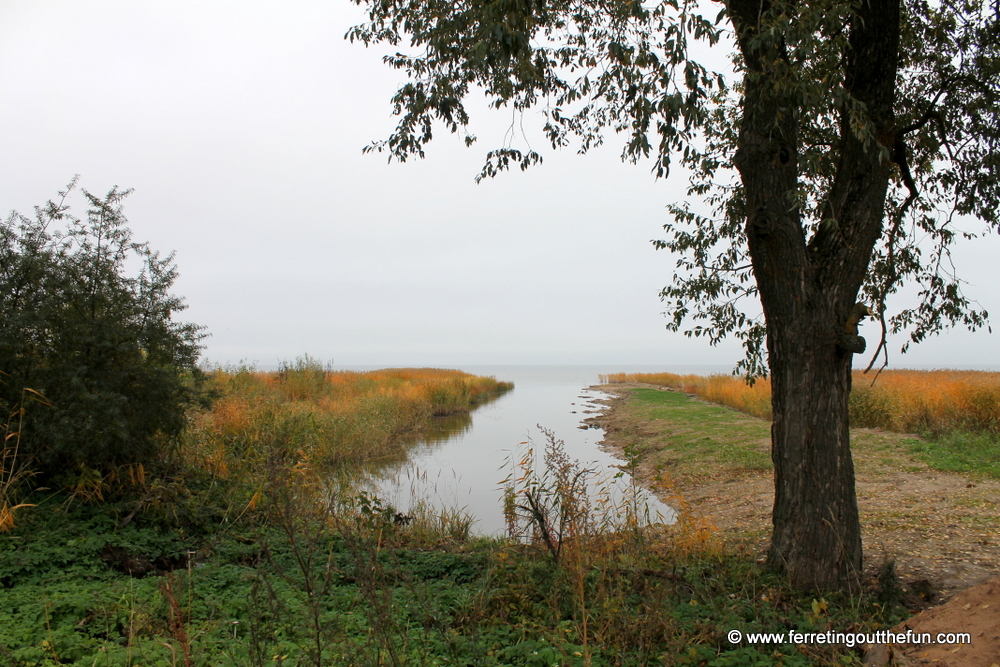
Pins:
x: 240, y: 125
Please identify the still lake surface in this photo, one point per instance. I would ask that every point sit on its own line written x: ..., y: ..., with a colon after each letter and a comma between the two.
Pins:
x: 462, y: 464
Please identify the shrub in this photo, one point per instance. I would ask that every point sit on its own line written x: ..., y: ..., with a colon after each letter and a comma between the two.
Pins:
x: 102, y: 346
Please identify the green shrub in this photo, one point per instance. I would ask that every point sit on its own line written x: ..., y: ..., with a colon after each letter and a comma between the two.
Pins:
x: 101, y: 345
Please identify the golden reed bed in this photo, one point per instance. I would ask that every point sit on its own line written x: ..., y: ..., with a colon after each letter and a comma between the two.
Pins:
x: 309, y: 413
x: 905, y: 401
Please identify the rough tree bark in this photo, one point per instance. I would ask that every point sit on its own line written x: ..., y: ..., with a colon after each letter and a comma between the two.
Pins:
x: 809, y: 286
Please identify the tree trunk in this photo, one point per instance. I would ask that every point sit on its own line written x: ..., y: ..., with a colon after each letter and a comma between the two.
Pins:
x: 817, y: 532
x: 817, y: 535
x: 808, y: 288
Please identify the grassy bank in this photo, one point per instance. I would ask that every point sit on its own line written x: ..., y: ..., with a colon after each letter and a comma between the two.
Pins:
x: 936, y: 527
x: 696, y: 441
x: 304, y: 413
x: 245, y: 551
x: 956, y: 412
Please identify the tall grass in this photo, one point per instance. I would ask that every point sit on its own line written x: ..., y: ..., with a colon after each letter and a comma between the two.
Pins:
x: 723, y: 389
x: 905, y: 401
x: 934, y: 402
x: 595, y: 546
x: 14, y: 471
x: 304, y: 413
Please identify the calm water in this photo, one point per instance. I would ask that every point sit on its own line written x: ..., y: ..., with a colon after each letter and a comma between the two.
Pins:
x: 462, y: 465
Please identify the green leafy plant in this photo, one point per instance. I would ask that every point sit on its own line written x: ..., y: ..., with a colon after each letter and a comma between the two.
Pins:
x: 101, y: 345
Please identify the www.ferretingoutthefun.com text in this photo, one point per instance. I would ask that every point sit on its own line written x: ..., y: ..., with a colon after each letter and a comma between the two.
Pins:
x: 849, y: 639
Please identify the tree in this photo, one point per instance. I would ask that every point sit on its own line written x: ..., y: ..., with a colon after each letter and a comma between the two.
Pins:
x: 836, y: 167
x: 102, y: 347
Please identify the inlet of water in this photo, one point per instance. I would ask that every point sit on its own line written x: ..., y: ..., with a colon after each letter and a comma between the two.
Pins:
x: 462, y: 463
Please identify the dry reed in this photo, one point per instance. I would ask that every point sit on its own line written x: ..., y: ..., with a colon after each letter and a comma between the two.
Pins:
x: 905, y: 401
x: 13, y: 470
x: 309, y: 414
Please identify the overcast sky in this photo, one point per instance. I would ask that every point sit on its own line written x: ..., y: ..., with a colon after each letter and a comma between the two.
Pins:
x: 240, y: 126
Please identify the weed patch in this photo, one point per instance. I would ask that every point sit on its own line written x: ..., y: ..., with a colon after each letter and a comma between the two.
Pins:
x: 345, y: 583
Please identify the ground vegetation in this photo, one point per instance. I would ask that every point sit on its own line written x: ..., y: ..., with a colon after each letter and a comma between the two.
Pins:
x: 272, y: 554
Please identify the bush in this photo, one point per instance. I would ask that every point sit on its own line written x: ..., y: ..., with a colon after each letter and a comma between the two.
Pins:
x: 100, y: 345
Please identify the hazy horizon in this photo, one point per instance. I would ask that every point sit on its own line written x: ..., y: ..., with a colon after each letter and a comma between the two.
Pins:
x: 240, y: 126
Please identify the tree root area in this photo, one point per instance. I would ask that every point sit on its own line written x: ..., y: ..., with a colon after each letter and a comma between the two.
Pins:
x: 941, y: 529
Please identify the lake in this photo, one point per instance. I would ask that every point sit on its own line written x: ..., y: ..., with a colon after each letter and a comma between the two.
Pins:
x: 462, y: 463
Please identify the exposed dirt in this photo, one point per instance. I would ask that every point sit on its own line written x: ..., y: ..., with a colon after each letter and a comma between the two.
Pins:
x: 975, y: 611
x: 942, y: 529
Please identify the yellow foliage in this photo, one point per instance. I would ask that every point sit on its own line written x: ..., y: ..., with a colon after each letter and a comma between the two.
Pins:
x: 694, y: 533
x: 7, y: 516
x: 902, y: 400
x: 309, y: 414
x: 936, y: 401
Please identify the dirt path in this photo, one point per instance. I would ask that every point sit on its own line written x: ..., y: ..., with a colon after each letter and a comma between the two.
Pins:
x: 942, y: 529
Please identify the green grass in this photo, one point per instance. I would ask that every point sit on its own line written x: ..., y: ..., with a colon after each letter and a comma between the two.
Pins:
x: 955, y: 451
x: 702, y: 435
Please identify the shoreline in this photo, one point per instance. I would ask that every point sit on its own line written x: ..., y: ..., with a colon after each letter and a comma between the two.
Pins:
x: 902, y: 502
x: 948, y: 569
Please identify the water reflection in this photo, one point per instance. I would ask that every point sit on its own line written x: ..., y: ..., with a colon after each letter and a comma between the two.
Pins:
x: 461, y: 462
x: 439, y: 431
x: 446, y: 427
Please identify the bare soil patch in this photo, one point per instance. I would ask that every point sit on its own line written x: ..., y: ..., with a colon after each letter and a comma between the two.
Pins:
x: 975, y: 611
x: 941, y: 529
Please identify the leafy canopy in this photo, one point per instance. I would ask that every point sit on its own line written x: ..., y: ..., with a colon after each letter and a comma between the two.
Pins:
x: 100, y: 345
x: 627, y: 66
